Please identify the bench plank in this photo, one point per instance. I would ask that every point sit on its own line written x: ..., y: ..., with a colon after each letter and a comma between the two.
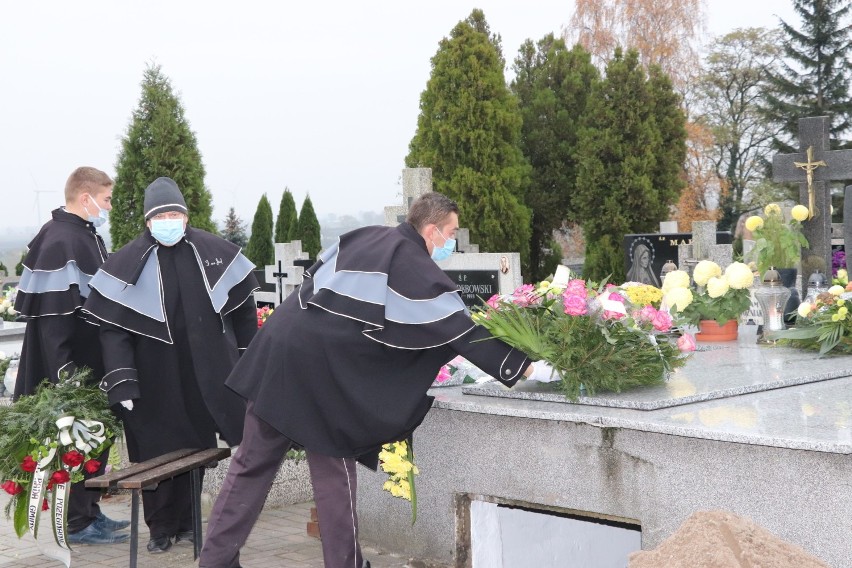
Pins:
x: 110, y: 479
x: 174, y: 468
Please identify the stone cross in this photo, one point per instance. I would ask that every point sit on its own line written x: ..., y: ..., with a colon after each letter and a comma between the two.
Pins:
x: 463, y: 243
x: 286, y: 274
x: 704, y: 247
x: 415, y: 182
x: 812, y: 167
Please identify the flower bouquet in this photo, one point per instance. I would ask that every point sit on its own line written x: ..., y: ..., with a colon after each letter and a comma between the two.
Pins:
x: 397, y: 460
x: 47, y: 441
x: 597, y: 337
x: 7, y: 305
x: 718, y: 296
x: 778, y: 242
x: 262, y: 315
x: 824, y: 324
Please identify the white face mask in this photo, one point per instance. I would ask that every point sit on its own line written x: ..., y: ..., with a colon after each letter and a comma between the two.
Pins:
x: 102, y: 214
x: 167, y: 231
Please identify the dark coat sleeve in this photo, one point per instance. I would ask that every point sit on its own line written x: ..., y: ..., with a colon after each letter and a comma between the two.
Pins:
x: 56, y: 337
x: 244, y: 320
x: 120, y: 380
x: 495, y: 357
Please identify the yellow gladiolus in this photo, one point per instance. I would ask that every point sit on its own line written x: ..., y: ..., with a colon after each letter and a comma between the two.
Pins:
x: 799, y: 213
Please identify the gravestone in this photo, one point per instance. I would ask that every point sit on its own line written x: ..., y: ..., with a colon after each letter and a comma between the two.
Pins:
x: 705, y: 246
x: 415, y: 182
x: 285, y: 274
x: 812, y: 167
x: 655, y: 249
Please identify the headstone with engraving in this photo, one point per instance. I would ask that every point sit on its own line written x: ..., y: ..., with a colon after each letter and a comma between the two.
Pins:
x: 654, y: 250
x: 285, y: 274
x: 812, y: 167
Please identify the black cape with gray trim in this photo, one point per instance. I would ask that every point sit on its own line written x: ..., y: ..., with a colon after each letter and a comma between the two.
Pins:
x: 173, y: 323
x: 61, y: 260
x: 342, y: 366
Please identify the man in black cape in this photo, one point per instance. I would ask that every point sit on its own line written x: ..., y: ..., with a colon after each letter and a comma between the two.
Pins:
x: 60, y: 261
x: 176, y: 309
x: 342, y: 367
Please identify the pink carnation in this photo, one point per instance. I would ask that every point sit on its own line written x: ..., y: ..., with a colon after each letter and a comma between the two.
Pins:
x: 524, y: 295
x: 576, y: 287
x: 574, y: 305
x: 494, y: 301
x: 686, y: 343
x: 662, y: 321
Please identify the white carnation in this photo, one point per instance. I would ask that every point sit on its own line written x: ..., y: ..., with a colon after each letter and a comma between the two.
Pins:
x: 704, y: 271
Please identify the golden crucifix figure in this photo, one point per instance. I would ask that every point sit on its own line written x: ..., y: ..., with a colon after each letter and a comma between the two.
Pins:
x: 809, y: 168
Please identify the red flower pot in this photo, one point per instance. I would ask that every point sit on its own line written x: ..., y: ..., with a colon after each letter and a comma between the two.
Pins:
x: 709, y: 330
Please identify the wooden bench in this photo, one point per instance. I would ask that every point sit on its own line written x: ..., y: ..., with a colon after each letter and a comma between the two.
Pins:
x: 148, y: 474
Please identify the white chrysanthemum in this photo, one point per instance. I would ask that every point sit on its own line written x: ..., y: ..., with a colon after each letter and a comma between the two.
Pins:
x: 675, y: 279
x: 804, y: 309
x: 704, y: 271
x: 836, y: 290
x: 678, y: 298
x: 739, y: 275
x: 717, y: 287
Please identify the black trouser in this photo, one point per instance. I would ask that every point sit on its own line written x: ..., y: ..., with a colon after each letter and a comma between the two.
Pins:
x: 168, y: 508
x: 83, y: 506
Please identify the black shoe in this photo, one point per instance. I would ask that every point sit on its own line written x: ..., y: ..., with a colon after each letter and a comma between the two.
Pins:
x: 108, y: 524
x: 159, y: 544
x: 185, y: 536
x: 95, y: 534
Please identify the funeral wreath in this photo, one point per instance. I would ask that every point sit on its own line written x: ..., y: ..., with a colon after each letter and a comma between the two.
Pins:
x: 47, y: 441
x: 597, y: 337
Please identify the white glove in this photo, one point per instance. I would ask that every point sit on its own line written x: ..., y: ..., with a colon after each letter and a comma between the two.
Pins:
x: 128, y: 404
x: 543, y: 372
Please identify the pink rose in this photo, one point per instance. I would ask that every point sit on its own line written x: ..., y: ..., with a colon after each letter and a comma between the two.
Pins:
x: 662, y: 321
x: 574, y: 305
x: 575, y: 287
x: 686, y: 343
x: 647, y: 314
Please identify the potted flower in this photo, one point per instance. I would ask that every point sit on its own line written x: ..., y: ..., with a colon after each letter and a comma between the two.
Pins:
x: 718, y: 301
x: 778, y: 241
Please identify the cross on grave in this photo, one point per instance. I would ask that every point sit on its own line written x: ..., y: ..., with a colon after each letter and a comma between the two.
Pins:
x: 812, y: 167
x: 415, y: 182
x: 463, y: 243
x: 703, y: 246
x: 287, y: 271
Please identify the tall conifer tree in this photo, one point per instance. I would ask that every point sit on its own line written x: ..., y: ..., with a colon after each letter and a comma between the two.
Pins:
x: 309, y: 229
x: 630, y: 152
x: 814, y: 78
x: 158, y: 142
x: 468, y: 132
x: 552, y: 84
x: 234, y: 229
x: 286, y: 214
x: 260, y: 249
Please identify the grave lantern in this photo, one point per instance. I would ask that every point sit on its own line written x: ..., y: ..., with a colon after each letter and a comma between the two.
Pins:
x: 772, y: 296
x: 669, y: 266
x: 817, y: 284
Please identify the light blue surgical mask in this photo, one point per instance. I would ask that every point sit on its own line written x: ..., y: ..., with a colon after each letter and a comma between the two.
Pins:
x: 167, y: 231
x: 102, y: 214
x: 444, y: 252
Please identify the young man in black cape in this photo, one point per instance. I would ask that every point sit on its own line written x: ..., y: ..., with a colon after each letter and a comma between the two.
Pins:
x: 176, y: 309
x: 61, y: 260
x: 342, y: 367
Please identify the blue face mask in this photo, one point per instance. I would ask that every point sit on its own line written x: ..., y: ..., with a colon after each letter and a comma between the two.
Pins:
x: 445, y: 251
x: 167, y: 231
x: 102, y: 214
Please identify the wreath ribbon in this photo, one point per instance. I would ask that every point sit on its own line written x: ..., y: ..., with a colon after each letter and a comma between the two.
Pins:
x: 86, y: 435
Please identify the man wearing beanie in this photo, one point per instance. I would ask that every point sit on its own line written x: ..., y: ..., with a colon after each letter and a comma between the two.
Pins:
x: 60, y: 261
x: 176, y: 311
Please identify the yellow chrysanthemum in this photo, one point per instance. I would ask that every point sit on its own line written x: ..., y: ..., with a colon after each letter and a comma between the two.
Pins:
x: 675, y: 279
x: 799, y: 213
x: 717, y: 287
x: 643, y: 294
x: 739, y: 276
x: 840, y: 301
x: 678, y: 298
x: 754, y: 223
x: 704, y: 271
x: 804, y: 309
x: 836, y: 290
x: 843, y: 311
x: 835, y: 317
x: 772, y: 209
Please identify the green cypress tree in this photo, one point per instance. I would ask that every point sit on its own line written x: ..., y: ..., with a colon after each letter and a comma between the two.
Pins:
x: 260, y: 249
x: 158, y: 143
x: 286, y: 213
x: 309, y: 229
x: 19, y: 268
x: 468, y: 132
x: 552, y: 84
x: 628, y: 158
x: 814, y: 79
x: 3, y: 269
x: 293, y: 232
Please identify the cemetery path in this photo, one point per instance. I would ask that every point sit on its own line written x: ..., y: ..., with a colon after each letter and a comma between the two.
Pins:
x: 279, y: 539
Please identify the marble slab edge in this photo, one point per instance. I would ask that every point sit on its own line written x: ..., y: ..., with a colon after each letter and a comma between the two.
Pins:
x: 599, y: 421
x: 494, y: 389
